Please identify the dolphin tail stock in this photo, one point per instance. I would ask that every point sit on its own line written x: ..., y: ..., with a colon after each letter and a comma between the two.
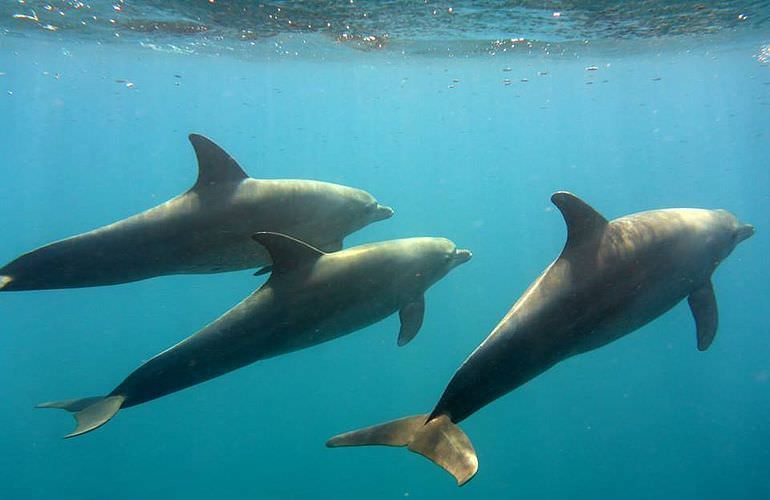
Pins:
x: 90, y: 413
x: 437, y: 439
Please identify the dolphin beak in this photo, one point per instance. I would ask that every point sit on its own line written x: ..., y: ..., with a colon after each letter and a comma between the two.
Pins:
x: 461, y: 256
x: 383, y: 212
x: 744, y: 232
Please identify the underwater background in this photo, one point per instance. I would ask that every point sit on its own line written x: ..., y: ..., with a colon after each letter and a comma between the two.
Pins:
x: 462, y: 116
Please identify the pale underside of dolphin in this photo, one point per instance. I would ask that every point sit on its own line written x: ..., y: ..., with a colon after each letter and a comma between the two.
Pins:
x: 205, y: 230
x: 311, y: 297
x: 610, y: 279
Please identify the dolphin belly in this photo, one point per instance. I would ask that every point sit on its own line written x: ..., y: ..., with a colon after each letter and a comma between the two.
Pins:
x: 223, y: 346
x: 493, y: 370
x: 85, y: 260
x: 625, y: 310
x: 258, y: 328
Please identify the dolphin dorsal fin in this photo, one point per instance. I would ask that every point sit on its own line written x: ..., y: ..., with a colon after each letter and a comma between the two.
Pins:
x: 584, y: 224
x: 215, y: 166
x: 286, y: 252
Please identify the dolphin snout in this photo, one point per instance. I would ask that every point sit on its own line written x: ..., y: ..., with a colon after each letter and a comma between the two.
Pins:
x: 382, y: 212
x: 461, y: 255
x: 744, y: 232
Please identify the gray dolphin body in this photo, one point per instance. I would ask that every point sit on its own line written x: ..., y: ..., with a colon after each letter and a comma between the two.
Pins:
x: 205, y: 230
x: 610, y: 279
x: 310, y: 298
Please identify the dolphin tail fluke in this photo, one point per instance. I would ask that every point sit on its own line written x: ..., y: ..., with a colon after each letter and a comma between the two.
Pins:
x: 4, y: 281
x: 437, y: 439
x: 89, y: 413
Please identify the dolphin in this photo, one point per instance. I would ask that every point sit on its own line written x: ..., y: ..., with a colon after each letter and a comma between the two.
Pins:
x: 610, y: 279
x: 205, y: 230
x: 311, y: 297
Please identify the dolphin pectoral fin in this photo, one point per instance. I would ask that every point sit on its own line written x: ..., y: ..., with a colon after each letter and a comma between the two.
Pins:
x: 264, y: 270
x: 215, y: 166
x: 89, y: 413
x: 584, y: 224
x: 411, y: 316
x: 439, y: 440
x: 703, y: 305
x: 286, y: 252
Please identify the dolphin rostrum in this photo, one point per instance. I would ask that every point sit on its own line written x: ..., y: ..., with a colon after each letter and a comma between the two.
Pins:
x: 311, y: 297
x: 205, y: 230
x: 610, y: 279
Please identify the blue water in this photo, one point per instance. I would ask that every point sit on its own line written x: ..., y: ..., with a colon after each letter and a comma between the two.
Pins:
x: 457, y: 153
